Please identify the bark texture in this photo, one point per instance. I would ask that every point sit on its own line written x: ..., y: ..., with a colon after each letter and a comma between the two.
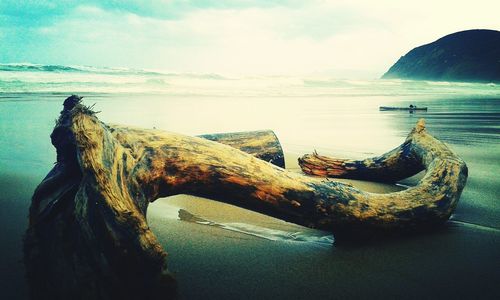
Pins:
x: 262, y: 144
x: 88, y: 236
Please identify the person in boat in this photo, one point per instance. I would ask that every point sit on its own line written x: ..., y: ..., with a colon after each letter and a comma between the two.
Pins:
x: 413, y: 107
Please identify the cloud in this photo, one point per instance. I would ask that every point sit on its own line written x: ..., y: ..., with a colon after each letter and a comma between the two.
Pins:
x: 340, y: 38
x: 37, y: 12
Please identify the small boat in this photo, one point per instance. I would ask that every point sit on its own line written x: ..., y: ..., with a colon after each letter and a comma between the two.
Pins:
x: 410, y: 108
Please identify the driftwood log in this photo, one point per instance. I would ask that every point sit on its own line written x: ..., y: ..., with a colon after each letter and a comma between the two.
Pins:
x: 88, y: 236
x: 262, y: 144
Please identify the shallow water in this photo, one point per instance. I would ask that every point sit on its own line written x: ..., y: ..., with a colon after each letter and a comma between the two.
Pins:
x: 461, y: 259
x: 306, y: 235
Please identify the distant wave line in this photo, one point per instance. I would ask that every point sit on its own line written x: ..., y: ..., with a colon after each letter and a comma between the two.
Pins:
x: 29, y: 67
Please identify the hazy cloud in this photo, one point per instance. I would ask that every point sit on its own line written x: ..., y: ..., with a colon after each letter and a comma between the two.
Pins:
x: 341, y: 38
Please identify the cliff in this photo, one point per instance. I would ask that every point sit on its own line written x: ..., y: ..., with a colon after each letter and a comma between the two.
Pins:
x: 472, y: 55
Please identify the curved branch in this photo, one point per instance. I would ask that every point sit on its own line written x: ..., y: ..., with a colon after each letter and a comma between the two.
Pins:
x: 432, y: 200
x: 397, y: 164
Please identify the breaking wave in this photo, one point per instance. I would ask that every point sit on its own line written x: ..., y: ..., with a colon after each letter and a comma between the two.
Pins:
x: 38, y: 78
x: 28, y: 67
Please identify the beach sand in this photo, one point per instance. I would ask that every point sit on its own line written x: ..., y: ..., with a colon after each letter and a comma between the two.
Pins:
x: 459, y: 260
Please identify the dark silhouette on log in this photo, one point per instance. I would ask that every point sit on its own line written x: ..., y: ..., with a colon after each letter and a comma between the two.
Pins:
x: 88, y: 237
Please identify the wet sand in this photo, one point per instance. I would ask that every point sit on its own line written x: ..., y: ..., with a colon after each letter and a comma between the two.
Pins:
x: 460, y: 260
x: 16, y: 191
x: 454, y: 262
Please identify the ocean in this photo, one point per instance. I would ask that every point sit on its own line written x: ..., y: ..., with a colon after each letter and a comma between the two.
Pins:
x: 247, y: 255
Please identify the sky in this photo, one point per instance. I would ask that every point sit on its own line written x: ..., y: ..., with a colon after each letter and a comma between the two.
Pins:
x: 340, y: 38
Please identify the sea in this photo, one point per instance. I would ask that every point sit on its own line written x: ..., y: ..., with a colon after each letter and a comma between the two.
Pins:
x: 248, y: 256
